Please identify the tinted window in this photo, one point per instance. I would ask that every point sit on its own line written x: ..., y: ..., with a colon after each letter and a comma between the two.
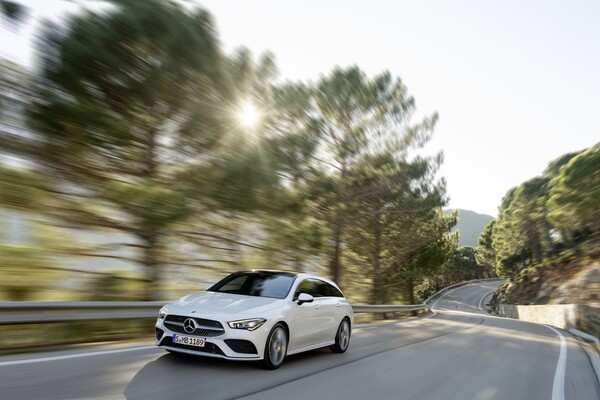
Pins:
x: 234, y: 285
x: 324, y: 289
x: 261, y: 284
x: 336, y: 292
x: 306, y: 286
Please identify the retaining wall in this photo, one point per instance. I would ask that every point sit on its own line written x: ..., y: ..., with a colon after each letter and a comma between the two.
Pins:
x: 582, y: 317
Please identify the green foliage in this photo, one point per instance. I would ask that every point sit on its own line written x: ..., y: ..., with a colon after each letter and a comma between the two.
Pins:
x: 151, y: 206
x: 135, y: 123
x: 521, y: 235
x: 363, y: 124
x: 574, y: 202
x: 243, y: 181
x: 25, y: 272
x: 547, y: 213
x: 422, y: 244
x: 463, y: 265
x: 470, y: 225
x: 121, y: 110
x: 114, y: 286
x: 485, y: 253
x: 21, y: 189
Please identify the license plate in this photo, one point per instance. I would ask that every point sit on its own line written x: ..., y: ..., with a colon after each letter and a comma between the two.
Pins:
x: 188, y: 340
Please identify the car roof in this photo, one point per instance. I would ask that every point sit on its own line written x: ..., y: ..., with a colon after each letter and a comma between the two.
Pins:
x: 271, y: 271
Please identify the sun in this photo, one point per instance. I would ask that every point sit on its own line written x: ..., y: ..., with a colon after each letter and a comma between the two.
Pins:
x: 249, y: 116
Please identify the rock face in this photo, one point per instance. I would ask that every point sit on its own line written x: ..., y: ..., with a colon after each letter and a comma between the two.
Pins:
x: 583, y: 288
x: 565, y: 293
x: 575, y: 281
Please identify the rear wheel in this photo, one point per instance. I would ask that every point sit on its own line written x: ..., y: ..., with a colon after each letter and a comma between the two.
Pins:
x: 342, y: 337
x: 276, y: 348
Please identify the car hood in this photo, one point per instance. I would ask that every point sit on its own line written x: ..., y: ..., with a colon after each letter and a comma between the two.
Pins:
x: 207, y: 303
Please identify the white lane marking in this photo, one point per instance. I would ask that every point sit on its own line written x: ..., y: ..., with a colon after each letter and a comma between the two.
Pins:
x: 482, y: 300
x: 558, y: 389
x: 449, y: 291
x: 79, y: 355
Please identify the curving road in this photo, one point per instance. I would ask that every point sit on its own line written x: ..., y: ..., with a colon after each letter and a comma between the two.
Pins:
x: 458, y: 352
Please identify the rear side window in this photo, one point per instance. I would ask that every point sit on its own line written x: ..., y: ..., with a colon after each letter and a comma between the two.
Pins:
x: 324, y: 289
x: 336, y: 292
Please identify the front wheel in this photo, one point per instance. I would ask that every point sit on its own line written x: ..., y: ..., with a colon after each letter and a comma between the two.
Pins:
x: 342, y: 337
x: 276, y: 348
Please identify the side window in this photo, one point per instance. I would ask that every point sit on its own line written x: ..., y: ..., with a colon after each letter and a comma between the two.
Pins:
x: 324, y: 289
x: 320, y: 289
x: 306, y: 286
x: 335, y: 291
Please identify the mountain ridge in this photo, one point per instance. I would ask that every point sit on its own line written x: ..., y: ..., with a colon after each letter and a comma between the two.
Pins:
x: 470, y: 225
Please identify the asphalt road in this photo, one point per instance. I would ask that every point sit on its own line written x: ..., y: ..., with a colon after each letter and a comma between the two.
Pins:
x: 459, y: 352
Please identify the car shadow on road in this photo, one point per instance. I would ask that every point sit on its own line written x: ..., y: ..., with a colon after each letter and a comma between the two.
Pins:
x: 192, y: 377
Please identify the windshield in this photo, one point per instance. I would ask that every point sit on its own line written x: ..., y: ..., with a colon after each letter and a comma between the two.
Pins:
x: 256, y: 283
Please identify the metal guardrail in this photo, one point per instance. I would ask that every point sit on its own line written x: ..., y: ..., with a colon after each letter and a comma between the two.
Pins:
x: 387, y: 308
x: 21, y: 313
x: 16, y: 313
x: 450, y: 287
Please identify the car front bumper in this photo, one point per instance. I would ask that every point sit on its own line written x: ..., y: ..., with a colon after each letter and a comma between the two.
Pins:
x: 234, y: 344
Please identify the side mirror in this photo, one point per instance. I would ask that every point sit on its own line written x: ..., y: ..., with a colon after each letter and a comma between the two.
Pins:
x: 305, y: 298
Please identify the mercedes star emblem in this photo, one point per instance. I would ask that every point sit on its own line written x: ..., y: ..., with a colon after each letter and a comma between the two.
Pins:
x: 189, y: 325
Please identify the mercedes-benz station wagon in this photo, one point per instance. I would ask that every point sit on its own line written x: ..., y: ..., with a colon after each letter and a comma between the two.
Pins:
x: 258, y: 315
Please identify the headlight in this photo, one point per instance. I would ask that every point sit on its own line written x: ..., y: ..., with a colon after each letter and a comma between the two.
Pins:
x: 248, y: 324
x: 162, y: 313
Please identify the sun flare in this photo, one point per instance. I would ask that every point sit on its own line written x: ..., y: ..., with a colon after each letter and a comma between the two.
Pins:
x: 249, y: 115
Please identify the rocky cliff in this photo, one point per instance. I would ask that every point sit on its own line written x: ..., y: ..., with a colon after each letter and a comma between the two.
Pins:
x: 570, y: 279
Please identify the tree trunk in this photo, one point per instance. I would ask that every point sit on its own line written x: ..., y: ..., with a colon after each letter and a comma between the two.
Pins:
x: 378, y: 290
x: 410, y: 288
x: 151, y: 264
x: 335, y: 264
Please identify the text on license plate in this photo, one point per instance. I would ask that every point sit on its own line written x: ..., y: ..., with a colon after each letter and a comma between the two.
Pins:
x: 188, y: 340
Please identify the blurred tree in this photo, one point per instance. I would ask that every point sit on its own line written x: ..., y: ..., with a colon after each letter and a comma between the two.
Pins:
x: 21, y: 189
x: 485, y: 253
x: 26, y: 271
x: 126, y: 101
x: 574, y: 201
x: 242, y: 172
x: 462, y: 265
x: 261, y: 176
x: 558, y: 206
x: 422, y: 243
x: 386, y: 187
x: 137, y: 130
x: 113, y: 286
x: 14, y: 11
x: 521, y: 235
x: 357, y: 115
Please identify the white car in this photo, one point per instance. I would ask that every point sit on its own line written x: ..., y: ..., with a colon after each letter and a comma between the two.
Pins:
x: 258, y: 315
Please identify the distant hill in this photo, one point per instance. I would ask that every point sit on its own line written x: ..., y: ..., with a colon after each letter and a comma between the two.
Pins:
x: 470, y: 225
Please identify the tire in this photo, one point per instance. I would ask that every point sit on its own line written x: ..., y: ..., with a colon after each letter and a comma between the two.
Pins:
x: 275, y: 348
x: 342, y: 337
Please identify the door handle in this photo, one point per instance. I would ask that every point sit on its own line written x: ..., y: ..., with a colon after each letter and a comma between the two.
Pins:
x: 338, y: 304
x: 317, y: 306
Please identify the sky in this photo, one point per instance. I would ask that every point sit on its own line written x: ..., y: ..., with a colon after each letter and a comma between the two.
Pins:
x: 516, y: 84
